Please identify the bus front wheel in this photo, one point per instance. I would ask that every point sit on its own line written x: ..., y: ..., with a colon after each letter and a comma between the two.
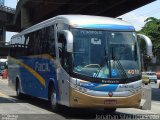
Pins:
x: 53, y: 102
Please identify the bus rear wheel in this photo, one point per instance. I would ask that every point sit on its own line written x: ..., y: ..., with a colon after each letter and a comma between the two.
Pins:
x: 18, y: 92
x: 55, y: 107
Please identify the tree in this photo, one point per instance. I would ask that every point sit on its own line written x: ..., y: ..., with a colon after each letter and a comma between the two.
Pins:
x: 152, y: 30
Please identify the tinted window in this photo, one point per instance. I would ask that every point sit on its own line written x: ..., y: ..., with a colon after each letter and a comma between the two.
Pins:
x: 38, y: 42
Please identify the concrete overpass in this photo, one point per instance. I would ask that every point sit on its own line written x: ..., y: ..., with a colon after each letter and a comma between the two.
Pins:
x: 6, y: 21
x: 7, y: 15
x: 29, y: 12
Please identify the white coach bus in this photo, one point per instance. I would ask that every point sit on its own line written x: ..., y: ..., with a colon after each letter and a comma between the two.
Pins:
x: 78, y: 61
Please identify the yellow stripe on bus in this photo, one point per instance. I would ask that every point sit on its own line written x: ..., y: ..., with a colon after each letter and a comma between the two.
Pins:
x: 104, y: 85
x: 39, y: 77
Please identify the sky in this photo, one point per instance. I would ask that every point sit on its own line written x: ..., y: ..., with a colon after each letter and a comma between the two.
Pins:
x: 135, y: 17
x: 138, y: 16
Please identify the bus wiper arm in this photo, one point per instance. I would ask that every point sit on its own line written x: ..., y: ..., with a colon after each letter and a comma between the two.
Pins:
x: 121, y: 69
x: 104, y: 60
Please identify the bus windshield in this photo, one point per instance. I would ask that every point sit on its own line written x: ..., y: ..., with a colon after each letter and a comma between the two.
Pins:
x: 105, y: 54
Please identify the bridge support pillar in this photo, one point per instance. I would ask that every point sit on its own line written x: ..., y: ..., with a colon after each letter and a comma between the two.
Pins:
x: 2, y: 34
x: 25, y: 18
x: 146, y: 97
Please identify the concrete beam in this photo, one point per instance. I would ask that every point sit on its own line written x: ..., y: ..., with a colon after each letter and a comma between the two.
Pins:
x: 45, y: 9
x: 7, y: 15
x: 25, y: 18
x: 4, y: 34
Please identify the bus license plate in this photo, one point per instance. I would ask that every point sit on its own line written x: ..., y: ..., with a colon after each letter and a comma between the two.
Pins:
x: 110, y: 102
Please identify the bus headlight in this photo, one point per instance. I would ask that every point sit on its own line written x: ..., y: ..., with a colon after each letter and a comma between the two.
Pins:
x: 74, y: 84
x: 79, y: 88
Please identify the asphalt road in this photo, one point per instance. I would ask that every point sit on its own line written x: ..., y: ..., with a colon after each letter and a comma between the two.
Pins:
x: 30, y: 108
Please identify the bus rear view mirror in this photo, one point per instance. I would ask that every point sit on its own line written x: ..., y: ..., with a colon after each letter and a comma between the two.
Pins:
x: 148, y: 44
x: 69, y: 39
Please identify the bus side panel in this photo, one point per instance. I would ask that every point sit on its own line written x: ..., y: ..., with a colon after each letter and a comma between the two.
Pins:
x: 64, y: 85
x: 35, y: 74
x: 27, y: 78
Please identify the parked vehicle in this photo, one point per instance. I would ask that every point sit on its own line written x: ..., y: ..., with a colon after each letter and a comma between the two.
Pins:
x: 3, y: 64
x: 145, y: 78
x: 152, y: 76
x: 5, y: 73
x: 1, y: 72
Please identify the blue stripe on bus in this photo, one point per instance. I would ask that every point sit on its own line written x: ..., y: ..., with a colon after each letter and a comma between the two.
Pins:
x: 100, y: 87
x: 109, y: 27
x: 109, y: 88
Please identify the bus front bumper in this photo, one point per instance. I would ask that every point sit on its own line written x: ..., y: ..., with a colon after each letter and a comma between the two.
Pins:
x: 82, y: 100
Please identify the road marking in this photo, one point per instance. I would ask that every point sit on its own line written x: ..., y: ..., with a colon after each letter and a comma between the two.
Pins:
x: 3, y: 95
x: 5, y: 81
x: 155, y: 102
x: 8, y: 97
x: 135, y: 111
x: 32, y: 108
x: 150, y: 112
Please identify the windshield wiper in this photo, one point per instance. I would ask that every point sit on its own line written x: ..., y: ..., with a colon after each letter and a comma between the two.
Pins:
x: 101, y: 66
x: 104, y: 60
x: 119, y: 67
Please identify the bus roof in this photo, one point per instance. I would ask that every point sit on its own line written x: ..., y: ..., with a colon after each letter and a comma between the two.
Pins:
x: 84, y: 21
x: 87, y: 19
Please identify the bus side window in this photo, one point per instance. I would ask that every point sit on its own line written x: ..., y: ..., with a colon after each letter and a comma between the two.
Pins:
x: 48, y: 41
x: 51, y: 42
x: 32, y: 44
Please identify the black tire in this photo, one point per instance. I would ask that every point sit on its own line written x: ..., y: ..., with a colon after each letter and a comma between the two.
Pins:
x: 55, y: 107
x: 155, y: 81
x: 110, y: 110
x: 18, y: 93
x: 146, y: 83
